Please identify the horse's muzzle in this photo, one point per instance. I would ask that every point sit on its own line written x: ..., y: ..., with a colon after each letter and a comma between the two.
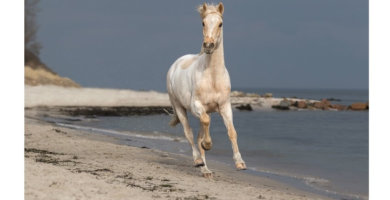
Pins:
x: 208, y: 51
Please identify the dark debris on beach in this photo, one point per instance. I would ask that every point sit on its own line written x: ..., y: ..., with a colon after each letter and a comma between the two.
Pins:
x: 93, y: 111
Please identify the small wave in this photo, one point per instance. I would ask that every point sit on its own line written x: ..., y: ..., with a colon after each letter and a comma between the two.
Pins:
x: 323, y: 185
x: 156, y: 135
x: 317, y: 181
x: 312, y: 184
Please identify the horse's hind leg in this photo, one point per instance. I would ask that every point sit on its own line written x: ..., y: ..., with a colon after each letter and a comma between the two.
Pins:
x: 174, y: 120
x: 182, y: 115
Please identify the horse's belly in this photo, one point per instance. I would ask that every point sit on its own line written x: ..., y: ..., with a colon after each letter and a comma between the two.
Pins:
x: 212, y: 100
x: 182, y: 92
x: 211, y: 107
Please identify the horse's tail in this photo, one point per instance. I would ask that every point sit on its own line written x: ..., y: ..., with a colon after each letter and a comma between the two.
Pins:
x: 174, y: 121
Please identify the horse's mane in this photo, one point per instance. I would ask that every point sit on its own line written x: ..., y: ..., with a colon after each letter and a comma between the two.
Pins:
x: 211, y: 8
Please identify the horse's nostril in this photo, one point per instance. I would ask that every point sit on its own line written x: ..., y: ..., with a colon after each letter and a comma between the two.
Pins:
x: 208, y: 45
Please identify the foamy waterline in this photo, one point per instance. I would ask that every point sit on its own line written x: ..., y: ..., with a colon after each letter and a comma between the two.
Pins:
x: 122, y: 133
x: 311, y: 184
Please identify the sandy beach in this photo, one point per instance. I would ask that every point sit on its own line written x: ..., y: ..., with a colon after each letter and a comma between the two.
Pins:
x: 63, y: 163
x: 50, y: 95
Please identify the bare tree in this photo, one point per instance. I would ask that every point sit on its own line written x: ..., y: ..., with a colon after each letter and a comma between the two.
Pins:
x: 31, y: 45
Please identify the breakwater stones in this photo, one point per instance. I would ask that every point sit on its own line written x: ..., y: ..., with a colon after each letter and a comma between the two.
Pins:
x: 283, y: 105
x: 324, y: 104
x: 246, y: 107
x: 358, y: 106
x: 250, y: 101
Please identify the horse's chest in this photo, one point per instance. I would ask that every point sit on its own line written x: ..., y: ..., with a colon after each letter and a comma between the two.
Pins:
x: 212, y: 89
x: 211, y: 95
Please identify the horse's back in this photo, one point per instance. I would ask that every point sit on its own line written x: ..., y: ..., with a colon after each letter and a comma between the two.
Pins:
x: 183, y: 63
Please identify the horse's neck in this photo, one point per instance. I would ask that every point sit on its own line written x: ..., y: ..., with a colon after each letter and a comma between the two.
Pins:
x: 216, y: 60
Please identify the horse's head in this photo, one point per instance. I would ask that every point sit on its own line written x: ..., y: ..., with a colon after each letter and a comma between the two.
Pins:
x: 212, y: 26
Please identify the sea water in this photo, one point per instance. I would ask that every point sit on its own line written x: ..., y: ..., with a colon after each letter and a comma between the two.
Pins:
x: 324, y: 150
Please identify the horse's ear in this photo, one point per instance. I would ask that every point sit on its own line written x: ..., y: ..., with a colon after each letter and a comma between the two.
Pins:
x: 202, y: 9
x: 220, y: 8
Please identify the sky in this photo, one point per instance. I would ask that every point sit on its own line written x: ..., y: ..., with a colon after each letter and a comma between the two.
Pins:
x: 314, y: 44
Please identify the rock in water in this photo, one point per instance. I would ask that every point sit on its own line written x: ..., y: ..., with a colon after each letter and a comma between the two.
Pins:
x: 247, y: 107
x: 252, y: 95
x: 283, y: 105
x: 358, y: 106
x: 323, y: 104
x: 237, y: 94
x: 301, y: 104
x: 338, y: 106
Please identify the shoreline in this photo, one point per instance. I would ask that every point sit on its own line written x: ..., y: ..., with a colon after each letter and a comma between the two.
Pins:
x: 83, y: 156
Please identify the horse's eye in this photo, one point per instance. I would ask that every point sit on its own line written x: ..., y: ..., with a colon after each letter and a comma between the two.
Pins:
x: 220, y: 25
x: 202, y: 23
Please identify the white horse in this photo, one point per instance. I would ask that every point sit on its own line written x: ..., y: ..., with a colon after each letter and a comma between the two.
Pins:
x: 201, y: 84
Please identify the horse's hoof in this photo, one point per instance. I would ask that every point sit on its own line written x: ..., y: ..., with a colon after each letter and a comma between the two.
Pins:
x: 199, y: 162
x: 208, y: 175
x: 206, y: 146
x: 241, y: 166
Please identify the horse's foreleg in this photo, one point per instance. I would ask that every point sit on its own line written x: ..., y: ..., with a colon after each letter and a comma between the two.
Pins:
x: 205, y: 126
x: 182, y: 115
x: 227, y: 115
x: 204, y: 139
x: 199, y: 111
x: 205, y: 171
